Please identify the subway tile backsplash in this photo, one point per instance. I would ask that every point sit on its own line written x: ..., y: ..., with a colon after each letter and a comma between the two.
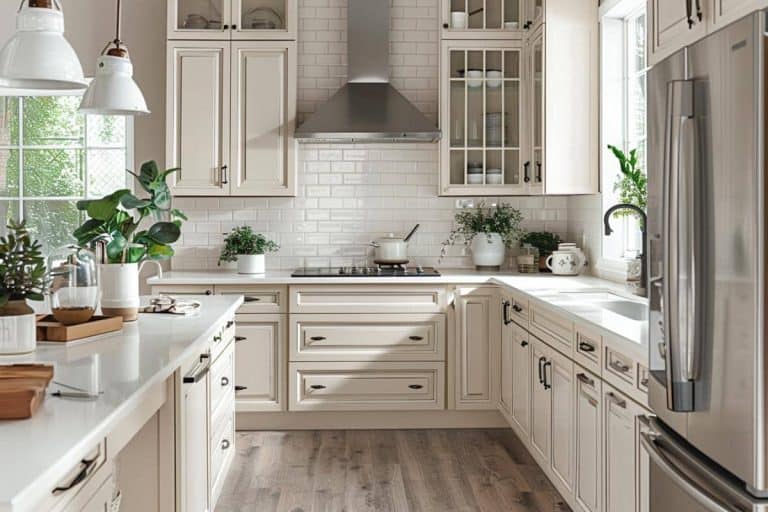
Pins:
x: 348, y: 195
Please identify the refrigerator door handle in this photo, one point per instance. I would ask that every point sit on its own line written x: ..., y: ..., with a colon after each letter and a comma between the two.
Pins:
x: 690, y: 487
x: 675, y: 324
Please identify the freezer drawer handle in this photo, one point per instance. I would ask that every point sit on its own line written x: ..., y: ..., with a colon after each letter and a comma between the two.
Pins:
x: 682, y: 481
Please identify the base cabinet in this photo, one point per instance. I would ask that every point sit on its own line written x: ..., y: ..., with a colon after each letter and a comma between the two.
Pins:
x: 521, y: 382
x: 541, y: 404
x: 193, y: 464
x: 589, y: 464
x: 559, y: 377
x: 260, y: 364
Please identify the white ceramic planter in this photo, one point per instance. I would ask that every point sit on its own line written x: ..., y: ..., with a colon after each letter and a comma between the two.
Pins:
x: 17, y: 334
x: 488, y: 251
x: 251, y: 264
x: 120, y: 289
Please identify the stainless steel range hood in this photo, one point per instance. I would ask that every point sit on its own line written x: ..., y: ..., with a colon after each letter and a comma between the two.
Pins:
x: 368, y: 108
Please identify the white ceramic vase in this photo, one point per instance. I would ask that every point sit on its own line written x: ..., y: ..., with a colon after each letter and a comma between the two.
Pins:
x: 120, y: 288
x: 17, y: 332
x: 251, y: 264
x: 488, y: 251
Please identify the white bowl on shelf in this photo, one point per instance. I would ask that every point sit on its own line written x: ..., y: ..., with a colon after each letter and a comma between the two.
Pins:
x: 474, y: 179
x: 494, y: 77
x: 493, y: 177
x: 511, y: 25
x: 474, y: 78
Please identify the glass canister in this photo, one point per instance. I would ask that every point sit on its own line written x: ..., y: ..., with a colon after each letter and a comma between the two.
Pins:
x: 74, y: 284
x: 528, y: 260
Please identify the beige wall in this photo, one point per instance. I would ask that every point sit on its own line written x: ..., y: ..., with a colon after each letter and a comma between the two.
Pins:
x: 89, y: 25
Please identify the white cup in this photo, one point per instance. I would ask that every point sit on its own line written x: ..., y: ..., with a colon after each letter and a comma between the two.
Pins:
x: 458, y: 19
x: 564, y: 263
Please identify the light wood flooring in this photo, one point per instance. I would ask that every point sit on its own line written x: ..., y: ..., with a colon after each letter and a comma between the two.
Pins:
x: 386, y: 470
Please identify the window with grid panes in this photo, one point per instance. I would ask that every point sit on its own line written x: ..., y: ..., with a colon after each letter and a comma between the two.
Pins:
x: 51, y: 156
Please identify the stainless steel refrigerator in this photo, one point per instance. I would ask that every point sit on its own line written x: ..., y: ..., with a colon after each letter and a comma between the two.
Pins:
x: 708, y: 443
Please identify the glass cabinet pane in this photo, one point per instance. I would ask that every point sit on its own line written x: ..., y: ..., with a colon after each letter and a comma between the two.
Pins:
x: 200, y: 14
x: 458, y: 168
x: 263, y: 15
x: 538, y: 112
x: 486, y: 14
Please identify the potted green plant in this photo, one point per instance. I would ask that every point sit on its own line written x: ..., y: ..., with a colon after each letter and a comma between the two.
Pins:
x: 247, y: 248
x: 488, y: 231
x: 545, y: 242
x: 115, y: 222
x: 632, y: 183
x: 22, y: 277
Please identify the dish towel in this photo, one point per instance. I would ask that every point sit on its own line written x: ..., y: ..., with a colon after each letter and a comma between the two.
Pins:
x: 171, y: 305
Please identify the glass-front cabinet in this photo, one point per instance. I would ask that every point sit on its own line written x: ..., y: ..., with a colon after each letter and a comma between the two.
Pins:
x: 232, y: 19
x: 490, y: 19
x: 483, y: 145
x: 536, y: 126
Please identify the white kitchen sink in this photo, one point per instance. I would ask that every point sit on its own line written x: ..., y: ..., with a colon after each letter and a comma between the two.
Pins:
x: 633, y: 310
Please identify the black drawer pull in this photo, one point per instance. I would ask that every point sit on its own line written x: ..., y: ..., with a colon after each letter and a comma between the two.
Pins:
x: 224, y: 382
x: 416, y: 338
x: 317, y: 386
x: 585, y: 379
x: 251, y: 299
x: 619, y: 366
x: 217, y: 338
x: 208, y: 292
x: 230, y: 324
x: 238, y: 339
x: 241, y: 388
x: 88, y: 467
x: 586, y: 347
x: 225, y: 444
x: 523, y: 343
x: 416, y: 386
x: 317, y: 338
x: 517, y: 309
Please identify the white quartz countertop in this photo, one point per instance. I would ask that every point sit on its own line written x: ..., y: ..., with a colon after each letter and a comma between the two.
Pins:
x: 559, y: 292
x: 38, y: 452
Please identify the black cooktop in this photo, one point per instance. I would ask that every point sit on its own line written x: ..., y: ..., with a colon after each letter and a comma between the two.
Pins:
x: 366, y: 272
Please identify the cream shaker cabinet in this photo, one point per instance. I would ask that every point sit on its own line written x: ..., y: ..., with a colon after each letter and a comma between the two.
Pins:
x: 193, y: 455
x: 230, y: 119
x: 261, y: 363
x: 541, y: 404
x: 559, y: 377
x: 728, y: 11
x: 589, y: 464
x: 506, y: 393
x: 232, y: 19
x: 675, y: 24
x: 521, y: 382
x: 477, y: 348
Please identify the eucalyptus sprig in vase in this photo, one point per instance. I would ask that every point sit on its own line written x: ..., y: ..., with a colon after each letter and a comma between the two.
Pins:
x: 489, y: 231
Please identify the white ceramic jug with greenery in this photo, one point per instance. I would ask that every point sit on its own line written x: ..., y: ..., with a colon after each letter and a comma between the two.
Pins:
x: 116, y: 222
x: 22, y: 277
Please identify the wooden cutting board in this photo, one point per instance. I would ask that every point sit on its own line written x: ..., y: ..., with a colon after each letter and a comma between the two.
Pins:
x: 48, y: 329
x: 22, y: 389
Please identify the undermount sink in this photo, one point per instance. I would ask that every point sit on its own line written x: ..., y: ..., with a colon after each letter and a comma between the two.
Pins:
x: 626, y: 308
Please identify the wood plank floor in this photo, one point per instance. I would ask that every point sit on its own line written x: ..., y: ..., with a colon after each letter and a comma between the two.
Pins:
x: 386, y: 470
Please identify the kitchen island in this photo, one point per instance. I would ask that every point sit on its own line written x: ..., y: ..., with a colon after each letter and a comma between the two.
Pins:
x: 75, y: 451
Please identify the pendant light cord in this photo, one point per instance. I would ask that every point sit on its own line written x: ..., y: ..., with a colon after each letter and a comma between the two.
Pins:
x: 119, y: 24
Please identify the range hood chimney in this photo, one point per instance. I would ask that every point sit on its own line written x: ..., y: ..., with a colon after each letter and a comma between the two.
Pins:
x: 368, y: 108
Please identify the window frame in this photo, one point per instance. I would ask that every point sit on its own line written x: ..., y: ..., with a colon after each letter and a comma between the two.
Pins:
x: 20, y: 198
x: 615, y: 12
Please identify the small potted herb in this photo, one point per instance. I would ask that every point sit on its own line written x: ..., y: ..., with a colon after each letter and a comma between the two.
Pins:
x: 22, y: 277
x: 632, y: 183
x: 545, y: 242
x: 247, y: 249
x: 489, y: 231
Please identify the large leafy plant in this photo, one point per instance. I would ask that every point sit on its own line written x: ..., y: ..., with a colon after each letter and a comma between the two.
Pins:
x: 116, y: 218
x: 22, y: 266
x: 485, y: 220
x: 632, y: 184
x: 243, y: 240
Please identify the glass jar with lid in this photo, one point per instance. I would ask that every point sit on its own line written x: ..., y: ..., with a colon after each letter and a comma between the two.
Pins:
x: 74, y: 284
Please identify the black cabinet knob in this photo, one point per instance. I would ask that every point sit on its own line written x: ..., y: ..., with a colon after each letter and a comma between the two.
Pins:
x: 317, y: 338
x: 445, y: 25
x: 416, y: 386
x: 317, y: 386
x: 224, y: 382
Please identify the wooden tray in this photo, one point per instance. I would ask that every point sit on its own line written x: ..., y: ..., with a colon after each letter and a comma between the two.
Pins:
x: 22, y: 389
x: 48, y: 329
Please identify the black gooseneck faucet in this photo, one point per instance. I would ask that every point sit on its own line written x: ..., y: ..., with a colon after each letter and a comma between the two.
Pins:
x: 643, y: 290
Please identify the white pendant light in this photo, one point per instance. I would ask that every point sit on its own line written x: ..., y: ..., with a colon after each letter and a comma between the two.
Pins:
x: 113, y: 91
x: 38, y: 59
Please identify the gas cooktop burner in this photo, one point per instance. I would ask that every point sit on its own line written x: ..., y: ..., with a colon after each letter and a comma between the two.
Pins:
x: 378, y: 271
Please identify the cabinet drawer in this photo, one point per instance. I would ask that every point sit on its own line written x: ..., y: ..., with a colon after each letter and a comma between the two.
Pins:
x: 367, y: 337
x: 551, y: 328
x: 258, y: 299
x: 76, y: 487
x: 222, y: 339
x: 222, y: 446
x: 642, y: 378
x: 223, y: 379
x: 367, y: 299
x: 619, y: 365
x: 519, y: 310
x: 588, y: 348
x: 366, y: 386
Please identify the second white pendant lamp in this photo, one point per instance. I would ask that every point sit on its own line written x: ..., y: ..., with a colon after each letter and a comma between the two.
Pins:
x: 113, y: 90
x: 38, y: 59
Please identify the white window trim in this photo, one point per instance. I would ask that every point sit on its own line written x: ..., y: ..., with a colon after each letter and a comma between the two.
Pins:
x: 614, y: 11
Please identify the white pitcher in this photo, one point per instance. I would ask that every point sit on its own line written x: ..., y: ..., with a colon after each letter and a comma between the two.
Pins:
x: 120, y: 288
x: 565, y: 263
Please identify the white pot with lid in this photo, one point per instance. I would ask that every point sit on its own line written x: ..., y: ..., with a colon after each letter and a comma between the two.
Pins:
x: 392, y: 249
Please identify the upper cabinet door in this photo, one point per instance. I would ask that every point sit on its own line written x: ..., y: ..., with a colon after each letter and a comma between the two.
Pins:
x: 264, y: 19
x: 197, y: 117
x: 533, y: 168
x: 484, y: 19
x: 728, y: 11
x: 482, y: 118
x: 263, y: 118
x: 676, y: 24
x: 199, y: 19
